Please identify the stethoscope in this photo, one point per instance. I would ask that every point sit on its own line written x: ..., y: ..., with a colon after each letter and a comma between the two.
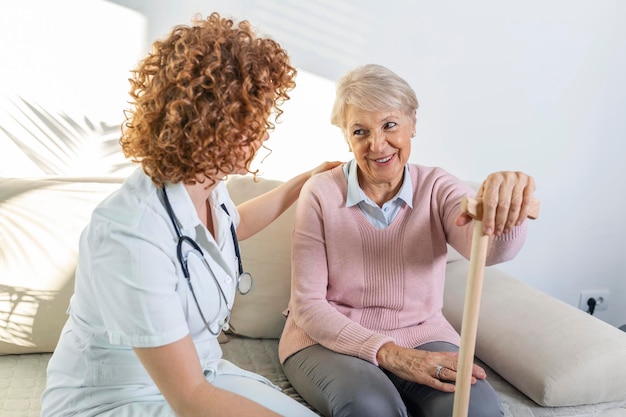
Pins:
x: 244, y: 280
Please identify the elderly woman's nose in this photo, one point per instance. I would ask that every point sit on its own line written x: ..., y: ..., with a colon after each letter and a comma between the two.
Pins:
x: 377, y: 141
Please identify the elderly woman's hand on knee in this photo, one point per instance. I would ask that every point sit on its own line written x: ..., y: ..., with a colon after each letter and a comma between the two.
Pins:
x: 435, y: 369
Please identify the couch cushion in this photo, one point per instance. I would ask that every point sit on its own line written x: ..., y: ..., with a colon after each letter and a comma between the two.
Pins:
x: 552, y: 352
x: 40, y: 223
x: 267, y: 256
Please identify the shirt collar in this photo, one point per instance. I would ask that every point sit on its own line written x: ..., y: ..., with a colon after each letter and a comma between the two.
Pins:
x: 183, y: 207
x: 355, y: 194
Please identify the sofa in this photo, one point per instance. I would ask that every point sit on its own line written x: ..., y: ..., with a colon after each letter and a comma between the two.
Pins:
x: 544, y: 357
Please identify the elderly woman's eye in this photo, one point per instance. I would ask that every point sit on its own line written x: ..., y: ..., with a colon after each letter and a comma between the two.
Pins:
x: 389, y: 125
x: 358, y: 132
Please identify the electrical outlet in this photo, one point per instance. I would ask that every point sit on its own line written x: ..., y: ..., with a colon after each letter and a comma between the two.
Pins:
x: 601, y: 297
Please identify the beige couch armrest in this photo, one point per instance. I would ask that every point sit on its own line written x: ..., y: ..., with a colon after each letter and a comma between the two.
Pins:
x: 554, y: 353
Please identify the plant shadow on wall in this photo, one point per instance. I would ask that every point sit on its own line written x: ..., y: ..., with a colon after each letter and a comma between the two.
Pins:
x: 48, y: 142
x: 59, y: 168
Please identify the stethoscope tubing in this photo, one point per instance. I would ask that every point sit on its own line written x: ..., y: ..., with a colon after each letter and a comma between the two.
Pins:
x: 179, y: 254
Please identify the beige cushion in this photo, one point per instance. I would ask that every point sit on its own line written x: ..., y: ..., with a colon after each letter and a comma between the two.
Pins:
x: 40, y: 223
x: 267, y: 256
x: 554, y: 353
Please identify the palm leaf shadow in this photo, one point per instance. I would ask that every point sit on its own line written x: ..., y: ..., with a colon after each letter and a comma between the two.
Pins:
x: 59, y: 144
x: 76, y: 162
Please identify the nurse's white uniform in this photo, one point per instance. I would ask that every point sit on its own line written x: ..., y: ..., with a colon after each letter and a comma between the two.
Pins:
x: 130, y: 292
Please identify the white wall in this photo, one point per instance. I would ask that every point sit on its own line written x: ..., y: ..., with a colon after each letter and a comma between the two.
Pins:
x: 70, y: 53
x: 65, y: 62
x: 536, y: 86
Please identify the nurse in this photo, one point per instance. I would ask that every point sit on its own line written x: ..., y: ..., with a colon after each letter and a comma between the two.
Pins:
x: 158, y: 263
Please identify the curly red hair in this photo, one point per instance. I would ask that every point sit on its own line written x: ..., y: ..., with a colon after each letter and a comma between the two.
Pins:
x: 201, y: 97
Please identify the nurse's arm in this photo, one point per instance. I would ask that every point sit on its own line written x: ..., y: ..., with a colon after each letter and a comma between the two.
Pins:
x: 176, y: 370
x: 260, y: 211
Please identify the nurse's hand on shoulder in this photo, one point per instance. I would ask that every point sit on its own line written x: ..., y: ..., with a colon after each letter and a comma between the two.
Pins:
x: 434, y: 369
x: 507, y: 198
x: 325, y: 166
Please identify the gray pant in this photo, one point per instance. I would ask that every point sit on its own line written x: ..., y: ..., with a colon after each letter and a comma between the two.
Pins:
x: 338, y: 385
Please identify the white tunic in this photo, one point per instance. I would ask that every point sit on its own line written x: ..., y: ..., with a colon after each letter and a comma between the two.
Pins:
x: 130, y: 292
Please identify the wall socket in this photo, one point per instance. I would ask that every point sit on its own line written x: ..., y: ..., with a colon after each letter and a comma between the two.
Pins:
x: 601, y: 297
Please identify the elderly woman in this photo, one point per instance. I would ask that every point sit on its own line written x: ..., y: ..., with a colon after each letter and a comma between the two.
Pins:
x: 158, y: 264
x: 365, y: 334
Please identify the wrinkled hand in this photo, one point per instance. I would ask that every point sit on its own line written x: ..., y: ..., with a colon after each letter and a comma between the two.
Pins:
x: 506, y: 198
x: 324, y: 166
x: 421, y: 366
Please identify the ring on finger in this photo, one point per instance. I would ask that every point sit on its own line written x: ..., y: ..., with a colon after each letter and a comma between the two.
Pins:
x: 438, y: 371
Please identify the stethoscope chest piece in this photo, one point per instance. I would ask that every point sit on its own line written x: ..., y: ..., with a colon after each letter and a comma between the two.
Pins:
x: 244, y: 283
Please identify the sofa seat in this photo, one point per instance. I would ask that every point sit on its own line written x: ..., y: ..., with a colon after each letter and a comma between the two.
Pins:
x: 22, y: 379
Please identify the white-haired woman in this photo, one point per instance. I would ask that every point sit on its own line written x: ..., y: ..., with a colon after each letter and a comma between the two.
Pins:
x: 365, y: 334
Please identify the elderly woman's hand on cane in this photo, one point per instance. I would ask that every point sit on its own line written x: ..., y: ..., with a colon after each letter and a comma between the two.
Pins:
x: 506, y: 201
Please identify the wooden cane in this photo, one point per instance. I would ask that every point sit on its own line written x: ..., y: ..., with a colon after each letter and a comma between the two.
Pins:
x: 471, y: 308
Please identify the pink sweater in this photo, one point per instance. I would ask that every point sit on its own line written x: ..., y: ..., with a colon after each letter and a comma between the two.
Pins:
x: 355, y: 287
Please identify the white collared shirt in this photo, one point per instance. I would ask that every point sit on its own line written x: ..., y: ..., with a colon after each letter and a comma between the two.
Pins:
x: 379, y: 217
x: 130, y: 292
